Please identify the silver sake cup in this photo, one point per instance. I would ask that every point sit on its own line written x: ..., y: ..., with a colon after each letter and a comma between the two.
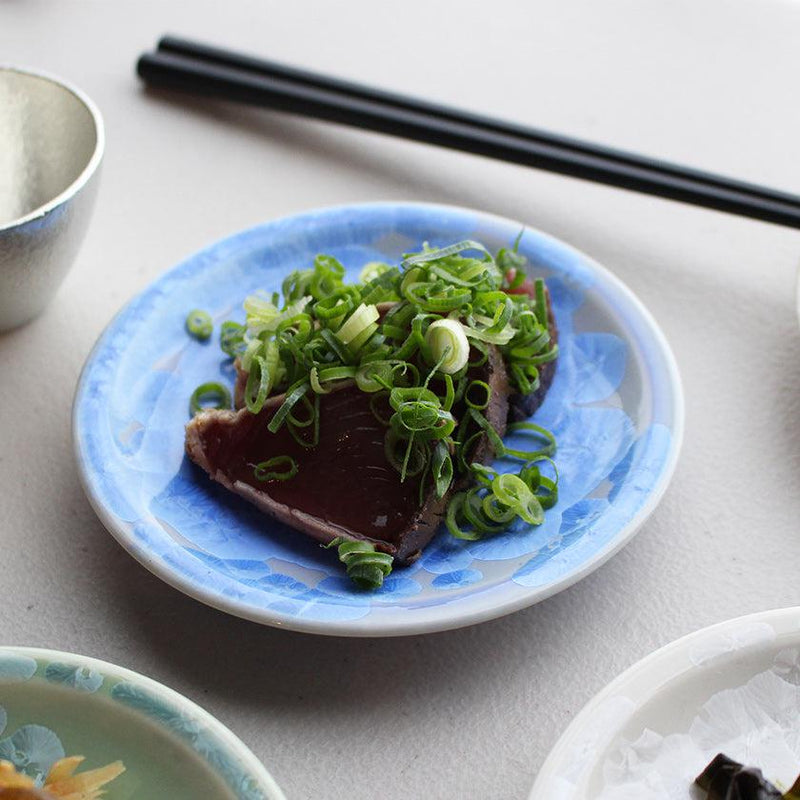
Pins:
x: 51, y: 146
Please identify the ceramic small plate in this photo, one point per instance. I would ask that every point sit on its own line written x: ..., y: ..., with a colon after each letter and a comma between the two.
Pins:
x: 733, y: 688
x: 615, y: 406
x: 55, y: 704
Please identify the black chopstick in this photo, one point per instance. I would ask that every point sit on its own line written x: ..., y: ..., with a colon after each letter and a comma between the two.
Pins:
x: 197, y: 68
x: 259, y: 66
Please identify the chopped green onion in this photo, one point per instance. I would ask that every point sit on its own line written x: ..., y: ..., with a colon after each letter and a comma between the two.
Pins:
x: 497, y: 443
x: 372, y: 270
x: 419, y: 411
x: 363, y: 318
x: 450, y: 394
x: 337, y: 304
x: 443, y: 252
x: 541, y: 302
x: 373, y: 403
x: 491, y: 507
x: 199, y: 324
x: 462, y: 522
x: 318, y: 377
x: 448, y: 344
x: 366, y: 566
x: 231, y: 338
x: 292, y: 397
x: 258, y: 385
x: 409, y: 450
x: 531, y: 455
x: 447, y: 307
x: 357, y: 342
x: 377, y: 375
x: 414, y: 459
x: 511, y: 491
x: 442, y: 469
x: 483, y: 354
x: 266, y: 470
x: 206, y: 393
x: 338, y: 348
x: 299, y: 422
x: 487, y: 335
x: 327, y: 276
x: 469, y: 395
x: 296, y: 427
x: 383, y: 288
x: 264, y: 317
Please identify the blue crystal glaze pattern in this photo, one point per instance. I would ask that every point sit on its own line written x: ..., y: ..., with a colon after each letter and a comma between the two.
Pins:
x: 193, y: 732
x: 14, y: 667
x: 82, y: 678
x: 615, y: 407
x: 32, y: 749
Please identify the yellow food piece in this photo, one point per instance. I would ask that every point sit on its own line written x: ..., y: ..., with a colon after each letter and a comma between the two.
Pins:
x: 62, y: 781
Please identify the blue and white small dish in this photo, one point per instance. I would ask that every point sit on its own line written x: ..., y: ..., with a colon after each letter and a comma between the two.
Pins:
x: 615, y: 406
x: 55, y: 704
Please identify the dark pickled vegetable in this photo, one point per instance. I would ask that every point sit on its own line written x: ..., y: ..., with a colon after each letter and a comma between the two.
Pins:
x: 726, y: 779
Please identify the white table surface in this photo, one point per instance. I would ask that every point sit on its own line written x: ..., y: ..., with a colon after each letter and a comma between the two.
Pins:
x: 470, y: 713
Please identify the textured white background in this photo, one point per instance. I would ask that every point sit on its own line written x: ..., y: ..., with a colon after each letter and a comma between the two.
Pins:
x: 471, y: 713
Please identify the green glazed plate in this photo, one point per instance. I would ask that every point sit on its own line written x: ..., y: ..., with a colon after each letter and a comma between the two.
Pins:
x: 54, y: 704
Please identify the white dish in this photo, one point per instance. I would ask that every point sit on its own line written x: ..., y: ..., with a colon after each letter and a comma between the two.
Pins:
x: 733, y: 688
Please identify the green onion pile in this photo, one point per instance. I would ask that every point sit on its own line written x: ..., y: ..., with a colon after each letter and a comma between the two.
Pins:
x: 412, y: 336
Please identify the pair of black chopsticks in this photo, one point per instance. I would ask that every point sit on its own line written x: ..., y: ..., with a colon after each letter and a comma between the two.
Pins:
x: 200, y: 69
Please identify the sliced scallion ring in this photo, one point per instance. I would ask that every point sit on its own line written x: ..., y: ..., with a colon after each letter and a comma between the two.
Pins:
x: 478, y: 394
x: 207, y: 396
x: 448, y: 343
x: 277, y: 468
x: 199, y: 324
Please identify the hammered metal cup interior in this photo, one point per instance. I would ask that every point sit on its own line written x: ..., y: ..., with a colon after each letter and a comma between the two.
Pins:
x: 51, y: 145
